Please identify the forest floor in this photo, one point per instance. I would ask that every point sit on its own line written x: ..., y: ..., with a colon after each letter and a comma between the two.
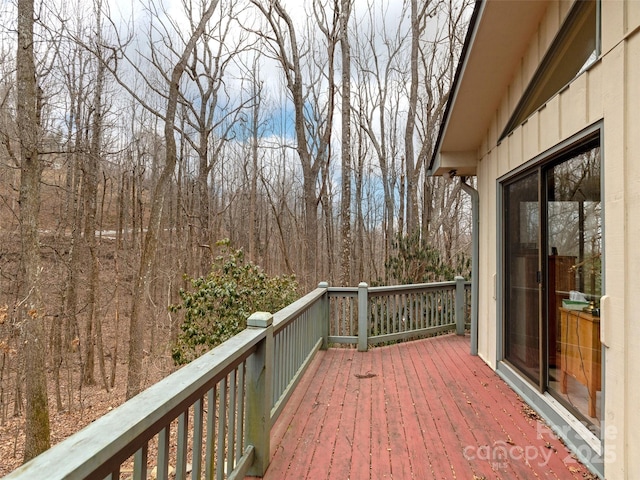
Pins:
x: 80, y: 404
x: 89, y: 403
x: 96, y: 401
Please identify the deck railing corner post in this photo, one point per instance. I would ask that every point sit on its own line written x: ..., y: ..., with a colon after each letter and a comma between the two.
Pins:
x: 363, y: 317
x: 259, y: 385
x: 324, y: 312
x: 460, y: 303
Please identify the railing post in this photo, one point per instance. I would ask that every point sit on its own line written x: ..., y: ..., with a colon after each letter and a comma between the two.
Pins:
x: 324, y: 312
x: 363, y: 317
x: 460, y: 303
x: 259, y: 385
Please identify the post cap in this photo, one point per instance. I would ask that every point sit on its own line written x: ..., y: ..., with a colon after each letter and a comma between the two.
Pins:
x: 260, y: 319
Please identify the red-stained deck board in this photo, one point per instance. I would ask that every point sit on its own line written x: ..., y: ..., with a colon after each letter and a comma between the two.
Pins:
x: 324, y: 443
x: 474, y: 411
x: 409, y: 396
x: 286, y: 437
x: 552, y: 454
x: 360, y: 461
x: 427, y: 411
x: 396, y: 402
x: 418, y: 410
x: 319, y: 444
x: 451, y: 423
x: 380, y: 447
x: 343, y: 448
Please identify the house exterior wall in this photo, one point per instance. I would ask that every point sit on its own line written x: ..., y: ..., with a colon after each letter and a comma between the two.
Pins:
x: 609, y: 91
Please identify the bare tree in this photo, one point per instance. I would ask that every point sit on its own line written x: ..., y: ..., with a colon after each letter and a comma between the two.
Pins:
x: 312, y: 149
x: 142, y: 281
x: 345, y: 211
x: 378, y: 69
x: 31, y: 308
x: 210, y: 110
x: 441, y: 214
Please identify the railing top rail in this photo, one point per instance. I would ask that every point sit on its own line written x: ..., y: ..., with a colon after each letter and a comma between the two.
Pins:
x: 289, y: 313
x: 99, y: 448
x: 414, y: 287
x: 353, y: 290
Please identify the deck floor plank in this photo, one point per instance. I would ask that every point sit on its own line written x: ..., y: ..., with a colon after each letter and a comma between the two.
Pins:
x: 361, y: 457
x: 342, y: 457
x: 380, y: 448
x: 451, y: 423
x: 423, y: 409
x: 552, y: 454
x: 297, y: 426
x: 396, y: 402
x: 474, y: 413
x: 410, y: 393
x: 329, y: 427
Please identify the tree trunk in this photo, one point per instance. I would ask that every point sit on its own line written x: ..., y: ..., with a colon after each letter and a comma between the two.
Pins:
x: 345, y: 210
x: 31, y: 311
x: 142, y: 280
x: 412, y: 171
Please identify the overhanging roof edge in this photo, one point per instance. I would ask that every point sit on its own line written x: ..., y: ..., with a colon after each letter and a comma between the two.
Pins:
x: 471, y: 33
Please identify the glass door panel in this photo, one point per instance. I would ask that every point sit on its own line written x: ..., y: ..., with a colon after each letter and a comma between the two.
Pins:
x: 522, y: 275
x: 574, y: 281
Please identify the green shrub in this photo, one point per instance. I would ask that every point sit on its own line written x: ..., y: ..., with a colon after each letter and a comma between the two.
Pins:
x: 418, y: 262
x: 217, y: 307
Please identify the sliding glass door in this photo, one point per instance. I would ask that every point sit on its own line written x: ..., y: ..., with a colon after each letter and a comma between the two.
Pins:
x: 522, y: 265
x: 552, y: 244
x: 574, y: 239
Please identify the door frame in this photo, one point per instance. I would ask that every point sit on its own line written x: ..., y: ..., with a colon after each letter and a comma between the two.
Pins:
x: 584, y: 441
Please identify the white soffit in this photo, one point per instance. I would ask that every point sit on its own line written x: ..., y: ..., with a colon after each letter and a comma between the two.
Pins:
x: 503, y: 32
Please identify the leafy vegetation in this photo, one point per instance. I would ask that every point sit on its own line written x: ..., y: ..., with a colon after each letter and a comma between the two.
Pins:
x: 218, y: 305
x: 418, y: 262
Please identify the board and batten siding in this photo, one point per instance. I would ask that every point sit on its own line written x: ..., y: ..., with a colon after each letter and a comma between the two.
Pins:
x: 608, y: 91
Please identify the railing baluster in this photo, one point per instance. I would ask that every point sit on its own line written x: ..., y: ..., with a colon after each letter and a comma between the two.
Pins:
x: 140, y: 463
x: 240, y: 416
x: 406, y: 316
x: 388, y: 313
x: 394, y: 314
x: 289, y: 360
x: 374, y: 314
x: 209, y: 457
x: 352, y: 307
x: 196, y: 460
x: 231, y: 431
x: 222, y: 427
x: 163, y: 453
x: 115, y: 475
x: 300, y: 326
x: 181, y: 454
x: 282, y: 345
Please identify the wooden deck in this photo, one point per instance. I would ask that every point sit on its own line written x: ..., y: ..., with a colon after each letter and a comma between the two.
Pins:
x: 423, y: 410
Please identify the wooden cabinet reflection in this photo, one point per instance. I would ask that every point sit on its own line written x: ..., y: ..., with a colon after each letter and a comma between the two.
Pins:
x: 580, y: 352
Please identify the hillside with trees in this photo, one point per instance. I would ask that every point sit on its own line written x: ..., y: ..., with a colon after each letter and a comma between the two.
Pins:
x: 143, y: 146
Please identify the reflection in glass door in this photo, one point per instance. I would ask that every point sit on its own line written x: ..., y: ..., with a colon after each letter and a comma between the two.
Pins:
x: 522, y: 275
x: 552, y: 232
x: 574, y: 277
